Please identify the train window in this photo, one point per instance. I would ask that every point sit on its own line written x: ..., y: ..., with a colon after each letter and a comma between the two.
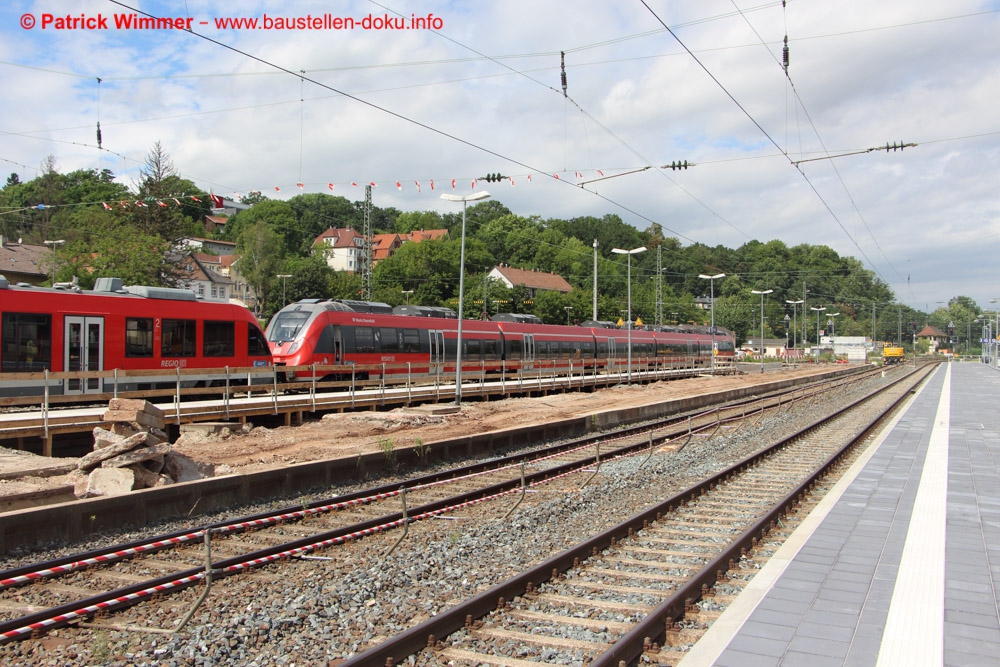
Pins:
x: 490, y: 351
x: 473, y: 350
x: 565, y: 349
x: 389, y: 339
x: 364, y: 339
x: 219, y: 339
x: 286, y: 325
x: 138, y: 337
x: 587, y: 349
x: 256, y: 342
x: 541, y: 349
x: 411, y: 340
x: 27, y: 342
x: 514, y: 347
x: 602, y: 349
x: 179, y: 338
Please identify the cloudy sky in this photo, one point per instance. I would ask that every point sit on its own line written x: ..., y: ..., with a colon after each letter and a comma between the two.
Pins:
x: 475, y: 88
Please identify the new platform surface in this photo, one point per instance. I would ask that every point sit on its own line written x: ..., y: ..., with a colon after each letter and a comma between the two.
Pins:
x: 901, y: 565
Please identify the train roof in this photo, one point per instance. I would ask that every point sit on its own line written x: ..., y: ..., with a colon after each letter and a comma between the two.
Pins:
x: 367, y: 306
x: 522, y: 318
x: 425, y: 311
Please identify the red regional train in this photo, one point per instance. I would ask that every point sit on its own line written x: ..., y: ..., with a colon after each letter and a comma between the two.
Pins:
x: 423, y: 341
x: 116, y: 327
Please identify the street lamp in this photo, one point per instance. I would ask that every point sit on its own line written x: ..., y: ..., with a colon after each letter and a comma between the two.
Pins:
x: 54, y: 245
x: 711, y: 305
x: 795, y: 304
x: 762, y: 293
x: 818, y: 310
x: 569, y: 314
x: 787, y: 320
x: 407, y: 292
x: 832, y: 323
x: 284, y: 277
x: 461, y: 285
x: 629, y: 253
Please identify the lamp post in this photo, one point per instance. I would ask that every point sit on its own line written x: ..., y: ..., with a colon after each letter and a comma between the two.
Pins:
x: 795, y: 331
x: 461, y: 285
x: 832, y: 323
x: 762, y: 293
x: 54, y: 245
x: 818, y: 311
x: 629, y: 253
x: 569, y: 314
x: 787, y: 320
x: 407, y: 292
x: 283, y: 276
x: 711, y: 306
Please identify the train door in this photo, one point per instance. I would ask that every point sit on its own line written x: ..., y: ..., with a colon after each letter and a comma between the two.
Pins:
x: 612, y: 353
x: 437, y: 352
x: 528, y: 352
x: 84, y: 351
x: 691, y: 353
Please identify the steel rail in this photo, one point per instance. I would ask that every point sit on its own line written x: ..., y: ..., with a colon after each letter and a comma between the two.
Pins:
x: 630, y: 646
x: 36, y: 571
x: 67, y: 613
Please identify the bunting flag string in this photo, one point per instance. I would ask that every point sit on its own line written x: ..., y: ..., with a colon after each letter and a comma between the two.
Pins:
x: 218, y: 201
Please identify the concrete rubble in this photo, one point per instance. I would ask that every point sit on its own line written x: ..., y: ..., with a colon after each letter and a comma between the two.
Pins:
x: 134, y: 453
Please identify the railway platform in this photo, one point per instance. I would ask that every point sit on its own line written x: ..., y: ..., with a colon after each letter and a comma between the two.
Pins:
x: 900, y: 565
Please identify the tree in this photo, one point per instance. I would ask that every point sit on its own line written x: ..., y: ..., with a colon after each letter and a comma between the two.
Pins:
x: 278, y: 215
x: 159, y: 187
x: 262, y: 251
x: 106, y: 245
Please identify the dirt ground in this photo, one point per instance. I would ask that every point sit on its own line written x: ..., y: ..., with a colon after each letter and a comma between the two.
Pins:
x: 349, y: 434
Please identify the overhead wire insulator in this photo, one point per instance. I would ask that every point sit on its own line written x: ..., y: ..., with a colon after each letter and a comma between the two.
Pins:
x: 98, y: 134
x: 562, y: 67
x: 784, y: 55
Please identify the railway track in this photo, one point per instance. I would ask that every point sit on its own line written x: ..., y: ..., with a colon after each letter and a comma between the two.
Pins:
x: 621, y: 595
x: 298, y: 532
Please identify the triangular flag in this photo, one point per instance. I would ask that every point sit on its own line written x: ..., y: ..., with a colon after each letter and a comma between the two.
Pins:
x: 196, y: 199
x: 432, y: 184
x: 300, y: 185
x: 373, y: 184
x: 578, y: 174
x: 354, y: 184
x: 600, y: 172
x: 160, y: 203
x: 473, y: 184
x: 105, y: 205
x: 216, y: 200
x: 511, y: 181
x: 139, y: 203
x: 417, y: 183
x: 529, y: 178
x: 277, y: 189
x: 330, y: 185
x: 123, y: 204
x: 453, y: 184
x: 176, y: 200
x: 555, y: 176
x: 399, y: 186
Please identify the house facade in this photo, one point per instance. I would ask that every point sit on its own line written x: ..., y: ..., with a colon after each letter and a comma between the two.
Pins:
x: 535, y: 281
x: 342, y: 248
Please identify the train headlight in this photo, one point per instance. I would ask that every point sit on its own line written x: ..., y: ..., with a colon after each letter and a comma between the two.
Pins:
x: 294, y: 347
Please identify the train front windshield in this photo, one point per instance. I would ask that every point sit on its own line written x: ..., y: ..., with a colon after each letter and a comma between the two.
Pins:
x: 286, y: 326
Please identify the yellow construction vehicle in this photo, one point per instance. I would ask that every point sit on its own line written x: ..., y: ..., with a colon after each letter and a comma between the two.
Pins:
x: 892, y: 355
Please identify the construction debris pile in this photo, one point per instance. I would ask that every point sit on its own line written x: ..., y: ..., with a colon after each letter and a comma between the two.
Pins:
x: 135, y: 453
